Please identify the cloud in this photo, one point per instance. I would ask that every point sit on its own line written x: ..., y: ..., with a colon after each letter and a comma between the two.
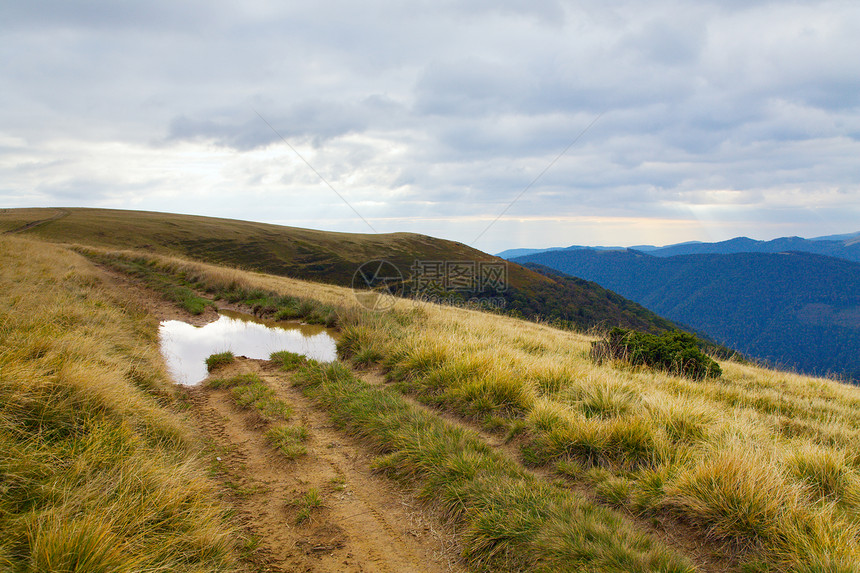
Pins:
x: 719, y: 112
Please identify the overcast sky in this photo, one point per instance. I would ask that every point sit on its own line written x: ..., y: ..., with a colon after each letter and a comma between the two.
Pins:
x: 681, y: 121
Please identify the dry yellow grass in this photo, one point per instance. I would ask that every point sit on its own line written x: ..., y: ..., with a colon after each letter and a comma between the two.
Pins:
x: 766, y: 461
x: 96, y: 474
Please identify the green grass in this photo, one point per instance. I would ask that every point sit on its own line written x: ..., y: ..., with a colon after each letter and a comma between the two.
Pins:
x: 96, y: 473
x: 309, y: 502
x: 219, y: 360
x: 654, y: 444
x: 754, y: 459
x: 173, y: 287
x: 178, y: 285
x: 253, y: 394
x: 289, y: 440
x: 287, y: 360
x: 508, y: 517
x: 237, y: 380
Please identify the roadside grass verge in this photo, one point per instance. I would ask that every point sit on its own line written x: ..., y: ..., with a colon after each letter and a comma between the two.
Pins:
x: 173, y: 287
x: 178, y: 281
x: 510, y: 519
x: 96, y: 473
x: 760, y: 462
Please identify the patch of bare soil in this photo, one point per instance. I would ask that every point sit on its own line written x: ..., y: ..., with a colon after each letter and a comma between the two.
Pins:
x: 364, y: 523
x: 154, y: 304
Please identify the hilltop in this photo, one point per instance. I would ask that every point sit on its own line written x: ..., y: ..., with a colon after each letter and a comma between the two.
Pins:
x: 328, y: 257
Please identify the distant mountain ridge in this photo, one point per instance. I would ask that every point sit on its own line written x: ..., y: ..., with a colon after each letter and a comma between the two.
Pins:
x: 846, y: 246
x: 797, y: 310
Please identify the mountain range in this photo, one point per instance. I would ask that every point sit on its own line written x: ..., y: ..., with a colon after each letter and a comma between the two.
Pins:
x: 845, y: 246
x: 795, y: 309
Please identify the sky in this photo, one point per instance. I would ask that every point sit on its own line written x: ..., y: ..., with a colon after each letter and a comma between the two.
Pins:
x: 498, y: 124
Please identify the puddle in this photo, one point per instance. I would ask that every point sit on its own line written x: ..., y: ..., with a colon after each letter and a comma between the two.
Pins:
x: 186, y: 347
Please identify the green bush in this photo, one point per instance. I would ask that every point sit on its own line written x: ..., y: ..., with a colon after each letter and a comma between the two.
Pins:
x: 675, y: 352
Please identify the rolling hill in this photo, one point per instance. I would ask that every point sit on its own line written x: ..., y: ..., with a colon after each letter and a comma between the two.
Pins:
x: 798, y: 310
x: 328, y: 257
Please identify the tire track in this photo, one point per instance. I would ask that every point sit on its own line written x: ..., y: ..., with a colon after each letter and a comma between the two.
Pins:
x: 364, y: 524
x: 32, y: 224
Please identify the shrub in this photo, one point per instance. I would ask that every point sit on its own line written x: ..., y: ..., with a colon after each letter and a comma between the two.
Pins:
x: 675, y: 352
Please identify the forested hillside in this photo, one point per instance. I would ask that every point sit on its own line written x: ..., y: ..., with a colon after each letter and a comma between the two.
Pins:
x: 797, y: 310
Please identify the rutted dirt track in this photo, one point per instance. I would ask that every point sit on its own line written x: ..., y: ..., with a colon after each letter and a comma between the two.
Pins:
x: 364, y: 524
x: 60, y: 213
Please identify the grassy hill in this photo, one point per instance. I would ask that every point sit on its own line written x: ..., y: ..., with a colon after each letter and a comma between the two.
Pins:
x: 758, y: 468
x: 325, y: 257
x: 577, y: 465
x: 799, y: 310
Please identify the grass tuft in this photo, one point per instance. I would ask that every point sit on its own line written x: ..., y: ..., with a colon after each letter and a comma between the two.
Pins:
x: 287, y: 360
x: 306, y: 504
x: 289, y: 440
x: 256, y: 395
x: 219, y: 360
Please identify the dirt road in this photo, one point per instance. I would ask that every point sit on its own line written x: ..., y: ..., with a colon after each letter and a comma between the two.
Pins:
x: 364, y: 524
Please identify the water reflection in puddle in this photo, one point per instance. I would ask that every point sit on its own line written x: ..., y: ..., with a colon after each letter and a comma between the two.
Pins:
x: 186, y: 347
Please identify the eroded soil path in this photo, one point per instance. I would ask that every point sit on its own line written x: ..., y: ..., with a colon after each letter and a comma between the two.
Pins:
x: 364, y: 524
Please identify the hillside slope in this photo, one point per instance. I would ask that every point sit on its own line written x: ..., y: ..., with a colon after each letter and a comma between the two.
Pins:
x: 753, y: 471
x: 327, y: 257
x: 799, y: 310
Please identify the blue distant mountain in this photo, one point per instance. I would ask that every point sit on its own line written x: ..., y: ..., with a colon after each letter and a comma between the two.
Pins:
x: 511, y: 254
x: 846, y: 246
x: 795, y: 309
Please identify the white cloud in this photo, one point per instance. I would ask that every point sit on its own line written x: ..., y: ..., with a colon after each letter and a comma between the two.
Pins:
x: 431, y: 117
